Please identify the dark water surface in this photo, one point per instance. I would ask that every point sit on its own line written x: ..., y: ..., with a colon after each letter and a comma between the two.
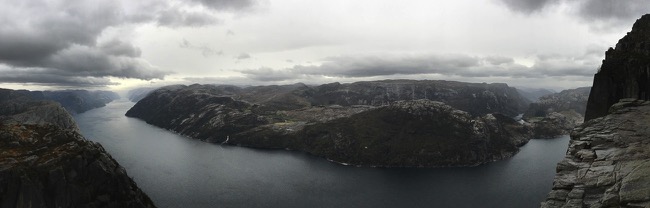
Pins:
x: 180, y: 172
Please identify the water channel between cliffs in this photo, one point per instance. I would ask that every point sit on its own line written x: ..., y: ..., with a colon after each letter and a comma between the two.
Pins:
x: 181, y: 172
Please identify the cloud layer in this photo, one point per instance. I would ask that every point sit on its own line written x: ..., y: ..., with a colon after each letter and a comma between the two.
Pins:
x: 66, y: 41
x: 448, y: 65
x: 602, y: 13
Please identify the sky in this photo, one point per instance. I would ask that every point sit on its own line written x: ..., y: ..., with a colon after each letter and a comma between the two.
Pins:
x: 122, y: 44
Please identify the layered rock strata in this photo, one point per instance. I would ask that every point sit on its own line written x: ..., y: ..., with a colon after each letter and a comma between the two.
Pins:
x: 608, y: 161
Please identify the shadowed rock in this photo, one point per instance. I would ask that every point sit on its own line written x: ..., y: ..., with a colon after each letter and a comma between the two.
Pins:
x: 325, y: 121
x: 625, y: 72
x: 45, y: 162
x: 557, y: 114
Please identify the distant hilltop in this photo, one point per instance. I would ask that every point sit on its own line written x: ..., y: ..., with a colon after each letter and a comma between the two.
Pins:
x: 389, y: 123
x: 74, y: 101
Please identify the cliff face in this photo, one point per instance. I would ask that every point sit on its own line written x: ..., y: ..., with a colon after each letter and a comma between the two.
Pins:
x: 607, y: 162
x: 45, y: 162
x: 474, y: 98
x: 625, y: 72
x: 557, y: 114
x: 414, y: 133
x: 74, y: 101
x: 402, y: 133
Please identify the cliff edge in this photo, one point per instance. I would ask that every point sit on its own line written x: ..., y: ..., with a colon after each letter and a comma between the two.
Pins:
x: 608, y: 159
x: 45, y: 162
x: 625, y: 72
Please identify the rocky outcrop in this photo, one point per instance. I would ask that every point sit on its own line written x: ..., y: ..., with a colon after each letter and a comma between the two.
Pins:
x: 45, y: 162
x: 608, y: 159
x: 418, y: 133
x: 74, y: 101
x: 557, y: 114
x: 607, y: 162
x: 554, y: 124
x: 197, y: 111
x: 625, y: 72
x: 400, y: 133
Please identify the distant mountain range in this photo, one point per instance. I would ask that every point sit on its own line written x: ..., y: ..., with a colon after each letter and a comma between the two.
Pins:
x: 378, y: 123
x: 74, y: 101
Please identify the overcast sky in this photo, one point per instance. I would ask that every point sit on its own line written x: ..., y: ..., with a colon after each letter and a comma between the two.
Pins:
x: 113, y: 44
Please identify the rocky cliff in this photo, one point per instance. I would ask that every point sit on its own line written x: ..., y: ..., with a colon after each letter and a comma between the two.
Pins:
x: 625, y: 72
x: 607, y: 162
x: 45, y: 162
x: 475, y: 98
x: 417, y: 133
x: 399, y: 133
x: 557, y: 114
x: 608, y: 159
x: 74, y: 101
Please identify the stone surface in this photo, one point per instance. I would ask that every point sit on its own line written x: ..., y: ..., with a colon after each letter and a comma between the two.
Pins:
x: 45, y: 162
x: 625, y: 72
x: 608, y: 161
x: 399, y: 133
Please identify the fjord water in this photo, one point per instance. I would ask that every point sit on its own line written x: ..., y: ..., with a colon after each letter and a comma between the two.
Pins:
x: 176, y: 171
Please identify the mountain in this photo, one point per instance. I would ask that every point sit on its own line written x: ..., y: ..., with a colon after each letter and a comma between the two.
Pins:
x: 332, y: 121
x: 45, y: 162
x: 625, y: 72
x: 137, y: 94
x: 558, y: 113
x: 533, y: 94
x: 74, y: 101
x: 474, y: 98
x: 414, y: 133
x: 608, y: 159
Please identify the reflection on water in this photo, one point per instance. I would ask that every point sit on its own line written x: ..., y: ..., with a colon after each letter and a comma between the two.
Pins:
x: 180, y: 172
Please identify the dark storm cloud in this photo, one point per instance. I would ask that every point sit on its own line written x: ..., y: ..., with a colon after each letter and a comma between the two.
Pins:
x: 119, y: 48
x: 528, y: 6
x: 593, y: 11
x: 450, y: 65
x: 614, y: 10
x: 43, y: 77
x: 62, y: 38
